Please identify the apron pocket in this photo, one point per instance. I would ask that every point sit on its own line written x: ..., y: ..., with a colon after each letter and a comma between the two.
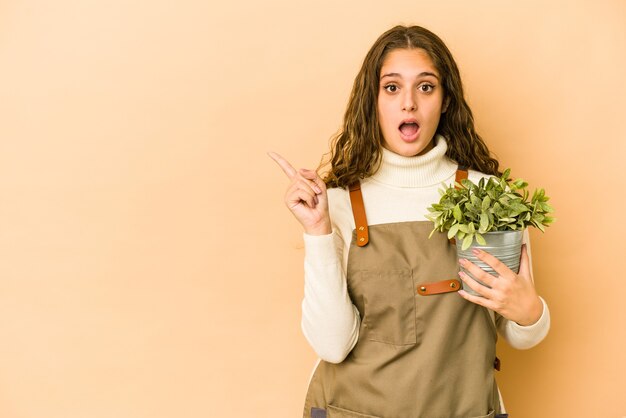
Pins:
x: 335, y: 412
x: 389, y: 306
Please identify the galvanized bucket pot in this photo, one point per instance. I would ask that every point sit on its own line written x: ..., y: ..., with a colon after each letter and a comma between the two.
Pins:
x: 506, y: 246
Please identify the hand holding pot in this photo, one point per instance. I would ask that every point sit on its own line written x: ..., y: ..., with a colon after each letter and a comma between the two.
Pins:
x: 511, y: 295
x: 306, y: 197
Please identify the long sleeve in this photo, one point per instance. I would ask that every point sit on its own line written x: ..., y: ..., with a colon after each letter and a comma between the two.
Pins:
x: 330, y: 322
x: 524, y: 337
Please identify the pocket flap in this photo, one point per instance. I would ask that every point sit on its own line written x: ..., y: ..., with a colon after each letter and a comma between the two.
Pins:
x: 335, y: 412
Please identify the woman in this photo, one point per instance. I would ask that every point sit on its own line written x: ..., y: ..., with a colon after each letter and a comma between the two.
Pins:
x: 386, y: 349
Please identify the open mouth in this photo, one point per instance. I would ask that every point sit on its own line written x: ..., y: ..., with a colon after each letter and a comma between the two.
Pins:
x: 409, y: 130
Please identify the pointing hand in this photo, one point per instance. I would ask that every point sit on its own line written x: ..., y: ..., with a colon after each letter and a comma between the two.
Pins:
x: 306, y: 197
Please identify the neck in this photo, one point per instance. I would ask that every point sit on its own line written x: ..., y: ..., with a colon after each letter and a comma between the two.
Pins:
x: 428, y: 169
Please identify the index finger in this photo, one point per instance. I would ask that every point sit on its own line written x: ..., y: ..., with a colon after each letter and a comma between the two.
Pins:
x: 496, y: 264
x: 284, y: 164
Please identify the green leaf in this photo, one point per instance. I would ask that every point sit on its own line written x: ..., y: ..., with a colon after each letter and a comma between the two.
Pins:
x: 484, y: 222
x: 486, y: 203
x: 453, y: 230
x: 480, y: 239
x: 467, y: 241
x: 519, y: 184
x: 457, y: 213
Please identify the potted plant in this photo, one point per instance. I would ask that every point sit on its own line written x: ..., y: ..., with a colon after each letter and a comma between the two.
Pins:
x: 490, y: 215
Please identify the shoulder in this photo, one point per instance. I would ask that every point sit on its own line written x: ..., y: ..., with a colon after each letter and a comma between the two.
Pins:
x: 340, y: 209
x: 338, y: 195
x: 475, y: 176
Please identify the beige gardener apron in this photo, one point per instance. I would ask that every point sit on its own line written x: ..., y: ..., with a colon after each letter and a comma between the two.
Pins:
x: 423, y: 351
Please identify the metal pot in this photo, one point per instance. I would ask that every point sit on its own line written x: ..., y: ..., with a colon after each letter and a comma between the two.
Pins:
x: 506, y: 246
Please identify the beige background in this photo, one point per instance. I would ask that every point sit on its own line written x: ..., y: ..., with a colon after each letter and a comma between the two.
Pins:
x: 148, y: 267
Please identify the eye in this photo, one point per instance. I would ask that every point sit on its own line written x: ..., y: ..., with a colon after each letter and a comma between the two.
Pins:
x: 391, y: 88
x: 426, y: 88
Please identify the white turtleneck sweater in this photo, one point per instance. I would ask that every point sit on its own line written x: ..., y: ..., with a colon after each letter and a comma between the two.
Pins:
x: 400, y: 191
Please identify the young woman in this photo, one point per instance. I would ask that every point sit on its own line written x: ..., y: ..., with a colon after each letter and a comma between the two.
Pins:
x: 388, y: 349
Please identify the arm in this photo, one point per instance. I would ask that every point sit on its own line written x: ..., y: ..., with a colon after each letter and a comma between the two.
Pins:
x: 330, y: 322
x: 524, y: 337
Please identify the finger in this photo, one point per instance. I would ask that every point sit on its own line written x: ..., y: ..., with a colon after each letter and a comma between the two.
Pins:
x: 476, y: 299
x: 315, y: 181
x: 314, y: 177
x: 477, y: 272
x: 495, y: 264
x: 475, y: 286
x: 303, y: 184
x: 299, y: 197
x: 284, y: 164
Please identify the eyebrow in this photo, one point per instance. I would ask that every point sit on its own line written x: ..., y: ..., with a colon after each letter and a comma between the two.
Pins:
x: 423, y: 74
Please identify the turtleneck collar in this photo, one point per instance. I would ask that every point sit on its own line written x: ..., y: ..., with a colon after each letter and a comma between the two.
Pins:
x: 419, y: 171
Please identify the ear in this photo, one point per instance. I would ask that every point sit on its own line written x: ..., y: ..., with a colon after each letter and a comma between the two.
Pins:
x: 446, y: 102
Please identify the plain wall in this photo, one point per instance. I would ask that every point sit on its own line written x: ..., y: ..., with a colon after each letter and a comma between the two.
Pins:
x: 148, y: 267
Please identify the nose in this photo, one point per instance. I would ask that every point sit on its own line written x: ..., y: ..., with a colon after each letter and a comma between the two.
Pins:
x: 409, y: 103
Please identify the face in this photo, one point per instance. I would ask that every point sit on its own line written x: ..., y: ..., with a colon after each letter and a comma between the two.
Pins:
x: 410, y: 100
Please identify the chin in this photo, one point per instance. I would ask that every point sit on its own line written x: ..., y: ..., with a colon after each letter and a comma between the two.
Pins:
x: 409, y: 153
x: 410, y: 150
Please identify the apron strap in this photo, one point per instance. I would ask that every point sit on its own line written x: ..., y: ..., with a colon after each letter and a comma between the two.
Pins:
x: 461, y: 174
x: 437, y: 288
x: 358, y: 211
x: 358, y: 208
